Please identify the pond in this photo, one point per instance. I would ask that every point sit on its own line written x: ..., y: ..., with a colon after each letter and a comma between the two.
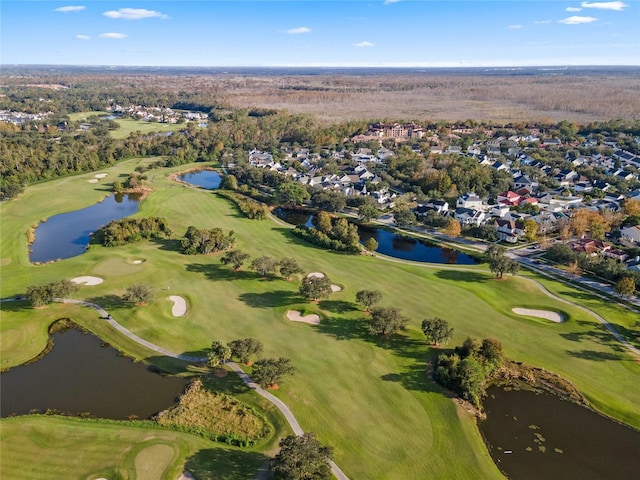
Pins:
x: 534, y: 436
x: 407, y: 248
x: 67, y: 235
x: 80, y: 375
x: 389, y: 243
x: 209, y: 179
x: 294, y: 216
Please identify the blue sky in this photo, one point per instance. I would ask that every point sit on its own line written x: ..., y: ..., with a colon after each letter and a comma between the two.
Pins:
x: 321, y: 33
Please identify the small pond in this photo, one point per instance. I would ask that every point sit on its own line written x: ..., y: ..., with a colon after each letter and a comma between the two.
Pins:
x: 67, y: 235
x: 551, y: 438
x: 208, y: 179
x: 389, y: 243
x: 295, y: 217
x: 407, y: 248
x: 80, y: 375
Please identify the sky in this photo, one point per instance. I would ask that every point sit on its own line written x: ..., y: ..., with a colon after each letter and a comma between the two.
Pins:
x: 380, y: 33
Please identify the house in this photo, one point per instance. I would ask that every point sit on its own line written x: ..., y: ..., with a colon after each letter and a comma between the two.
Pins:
x: 508, y: 230
x: 616, y: 254
x: 509, y: 198
x: 631, y: 234
x: 499, y: 210
x: 469, y: 216
x: 470, y: 201
x: 590, y: 246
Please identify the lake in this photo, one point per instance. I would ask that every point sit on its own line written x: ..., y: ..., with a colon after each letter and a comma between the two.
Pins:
x: 68, y: 234
x: 80, y: 375
x: 550, y: 438
x: 209, y: 179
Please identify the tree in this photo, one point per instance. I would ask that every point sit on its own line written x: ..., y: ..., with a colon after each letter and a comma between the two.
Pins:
x: 329, y: 200
x: 229, y: 182
x: 371, y: 245
x: 246, y: 348
x: 288, y: 267
x: 38, y: 295
x: 530, y: 230
x: 290, y: 193
x: 139, y: 293
x: 236, y: 258
x: 323, y: 222
x: 437, y: 330
x: 403, y: 216
x: 269, y: 372
x: 219, y: 354
x: 302, y: 458
x: 625, y: 286
x: 368, y: 298
x: 368, y: 211
x: 264, y: 265
x: 454, y: 229
x: 386, y: 321
x: 499, y: 262
x: 315, y: 287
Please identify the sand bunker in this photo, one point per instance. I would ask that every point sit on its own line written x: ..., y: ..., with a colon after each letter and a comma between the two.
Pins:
x: 334, y: 288
x: 100, y: 175
x: 295, y: 316
x: 546, y: 314
x: 179, y: 306
x: 138, y: 262
x: 87, y: 280
x: 93, y: 180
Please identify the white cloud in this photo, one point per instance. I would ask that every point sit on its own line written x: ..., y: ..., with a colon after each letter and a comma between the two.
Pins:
x: 298, y: 30
x: 389, y: 2
x: 515, y: 27
x: 542, y: 22
x: 364, y: 44
x: 114, y: 36
x: 576, y: 20
x: 134, y: 14
x: 617, y: 6
x: 70, y: 8
x: 573, y: 9
x: 82, y: 37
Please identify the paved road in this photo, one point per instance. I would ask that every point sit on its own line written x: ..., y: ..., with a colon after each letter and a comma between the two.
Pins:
x: 280, y: 405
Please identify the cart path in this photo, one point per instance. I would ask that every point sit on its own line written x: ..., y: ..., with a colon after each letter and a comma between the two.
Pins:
x: 279, y: 404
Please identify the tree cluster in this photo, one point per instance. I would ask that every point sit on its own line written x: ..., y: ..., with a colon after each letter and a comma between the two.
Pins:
x: 302, y: 458
x: 468, y: 370
x: 315, y: 287
x: 331, y: 233
x: 131, y: 230
x: 41, y: 295
x: 206, y: 241
x: 139, y: 293
x: 499, y: 263
x: 251, y: 209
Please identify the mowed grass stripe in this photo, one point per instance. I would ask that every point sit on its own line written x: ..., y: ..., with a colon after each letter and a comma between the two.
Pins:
x: 366, y: 397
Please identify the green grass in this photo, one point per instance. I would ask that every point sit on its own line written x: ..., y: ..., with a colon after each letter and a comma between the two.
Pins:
x: 370, y: 399
x: 130, y: 125
x: 40, y: 448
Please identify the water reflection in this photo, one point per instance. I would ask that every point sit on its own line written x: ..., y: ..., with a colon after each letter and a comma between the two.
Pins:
x: 68, y: 234
x: 80, y: 375
x: 539, y: 436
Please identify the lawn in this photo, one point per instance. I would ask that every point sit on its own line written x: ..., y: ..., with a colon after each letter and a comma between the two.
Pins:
x: 369, y: 398
x: 130, y: 125
x: 40, y: 447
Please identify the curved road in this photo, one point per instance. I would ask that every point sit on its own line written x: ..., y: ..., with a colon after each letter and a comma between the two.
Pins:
x: 280, y: 405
